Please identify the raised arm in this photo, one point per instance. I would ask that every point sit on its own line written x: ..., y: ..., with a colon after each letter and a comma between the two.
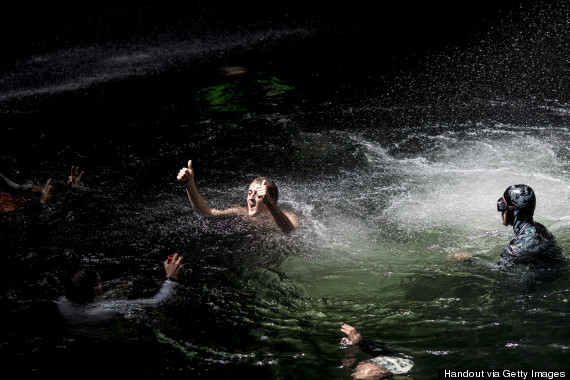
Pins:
x: 46, y: 192
x: 286, y: 221
x: 172, y: 269
x: 186, y: 177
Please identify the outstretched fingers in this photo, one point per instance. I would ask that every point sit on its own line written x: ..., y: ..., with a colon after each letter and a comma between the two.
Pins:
x: 176, y: 260
x: 347, y: 329
x: 353, y: 337
x: 74, y: 179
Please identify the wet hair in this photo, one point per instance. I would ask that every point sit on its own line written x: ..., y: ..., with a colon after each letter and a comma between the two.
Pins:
x: 82, y: 287
x: 271, y: 187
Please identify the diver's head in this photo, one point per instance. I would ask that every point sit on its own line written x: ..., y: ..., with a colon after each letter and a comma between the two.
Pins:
x: 84, y: 286
x: 517, y: 204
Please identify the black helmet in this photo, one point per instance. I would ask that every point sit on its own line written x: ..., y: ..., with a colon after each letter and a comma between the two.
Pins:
x: 520, y: 203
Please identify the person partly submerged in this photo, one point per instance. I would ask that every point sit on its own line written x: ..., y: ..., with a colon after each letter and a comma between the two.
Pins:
x: 15, y: 195
x: 82, y: 303
x: 262, y: 197
x: 384, y: 364
x: 532, y: 243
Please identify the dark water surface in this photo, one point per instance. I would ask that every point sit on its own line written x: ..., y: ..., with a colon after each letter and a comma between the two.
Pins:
x: 392, y: 160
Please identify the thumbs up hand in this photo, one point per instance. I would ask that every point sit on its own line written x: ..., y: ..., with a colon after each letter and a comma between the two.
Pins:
x: 262, y: 193
x: 186, y: 175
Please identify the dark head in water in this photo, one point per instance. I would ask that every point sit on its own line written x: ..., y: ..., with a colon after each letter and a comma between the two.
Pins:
x: 10, y: 176
x: 517, y: 204
x: 84, y: 286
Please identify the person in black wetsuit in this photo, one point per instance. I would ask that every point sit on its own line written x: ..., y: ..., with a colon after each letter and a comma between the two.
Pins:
x: 532, y: 243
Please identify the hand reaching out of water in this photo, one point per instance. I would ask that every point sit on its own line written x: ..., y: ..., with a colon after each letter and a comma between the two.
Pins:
x: 46, y: 192
x: 174, y: 267
x: 74, y: 179
x: 186, y: 175
x: 353, y: 337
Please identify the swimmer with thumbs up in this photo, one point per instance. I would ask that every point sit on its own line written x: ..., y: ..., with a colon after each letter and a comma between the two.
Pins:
x: 262, y: 197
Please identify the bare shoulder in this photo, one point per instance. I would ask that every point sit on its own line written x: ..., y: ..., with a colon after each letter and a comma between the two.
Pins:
x: 229, y: 212
x: 292, y: 217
